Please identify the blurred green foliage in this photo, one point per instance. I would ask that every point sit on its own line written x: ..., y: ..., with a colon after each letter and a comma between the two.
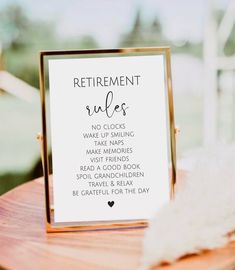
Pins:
x: 22, y: 39
x: 151, y: 34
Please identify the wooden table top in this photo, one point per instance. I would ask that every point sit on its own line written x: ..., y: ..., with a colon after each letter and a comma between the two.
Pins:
x: 24, y: 243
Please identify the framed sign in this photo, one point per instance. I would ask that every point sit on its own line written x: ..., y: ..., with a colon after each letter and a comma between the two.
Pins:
x: 108, y: 122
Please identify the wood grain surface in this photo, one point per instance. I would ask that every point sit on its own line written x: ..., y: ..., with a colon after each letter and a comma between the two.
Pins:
x: 24, y: 243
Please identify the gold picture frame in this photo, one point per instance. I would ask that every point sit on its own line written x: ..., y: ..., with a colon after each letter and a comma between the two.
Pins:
x: 51, y: 226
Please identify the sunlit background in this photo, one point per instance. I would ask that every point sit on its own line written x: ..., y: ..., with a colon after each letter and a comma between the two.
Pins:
x: 201, y: 35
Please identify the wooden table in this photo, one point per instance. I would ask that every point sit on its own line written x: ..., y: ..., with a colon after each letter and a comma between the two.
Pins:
x: 25, y: 245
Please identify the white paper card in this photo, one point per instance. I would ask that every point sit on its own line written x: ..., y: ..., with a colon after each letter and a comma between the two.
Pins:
x: 109, y: 137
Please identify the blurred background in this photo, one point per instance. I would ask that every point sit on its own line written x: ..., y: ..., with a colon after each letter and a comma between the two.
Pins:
x: 202, y: 38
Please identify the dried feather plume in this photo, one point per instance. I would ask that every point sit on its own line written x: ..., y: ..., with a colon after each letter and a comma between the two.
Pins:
x: 201, y: 215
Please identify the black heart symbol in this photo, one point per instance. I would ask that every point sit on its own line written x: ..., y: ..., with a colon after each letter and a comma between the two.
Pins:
x: 111, y: 203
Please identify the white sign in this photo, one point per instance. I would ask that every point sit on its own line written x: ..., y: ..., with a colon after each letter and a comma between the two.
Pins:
x: 109, y: 137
